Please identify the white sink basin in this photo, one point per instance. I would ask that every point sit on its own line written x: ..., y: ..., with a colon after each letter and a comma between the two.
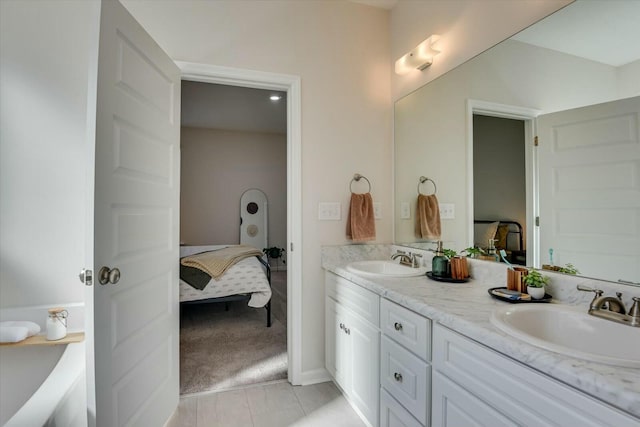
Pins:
x: 571, y: 331
x: 384, y: 269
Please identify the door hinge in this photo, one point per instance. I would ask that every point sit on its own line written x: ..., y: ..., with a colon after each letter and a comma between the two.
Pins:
x: 535, y: 141
x: 537, y: 221
x: 291, y: 246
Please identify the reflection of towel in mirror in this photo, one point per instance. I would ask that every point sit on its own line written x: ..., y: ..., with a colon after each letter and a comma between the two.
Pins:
x: 360, y: 221
x: 428, y: 217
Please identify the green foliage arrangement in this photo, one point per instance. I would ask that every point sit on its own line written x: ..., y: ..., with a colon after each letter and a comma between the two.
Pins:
x: 473, y: 252
x: 449, y: 253
x: 535, y: 280
x: 569, y: 269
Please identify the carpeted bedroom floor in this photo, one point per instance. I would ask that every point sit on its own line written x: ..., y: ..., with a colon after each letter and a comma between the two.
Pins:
x: 222, y: 349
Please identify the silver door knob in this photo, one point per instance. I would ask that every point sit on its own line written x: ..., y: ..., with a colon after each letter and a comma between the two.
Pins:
x: 107, y: 275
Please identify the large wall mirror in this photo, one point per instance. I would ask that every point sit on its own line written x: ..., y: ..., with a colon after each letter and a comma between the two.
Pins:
x: 573, y: 81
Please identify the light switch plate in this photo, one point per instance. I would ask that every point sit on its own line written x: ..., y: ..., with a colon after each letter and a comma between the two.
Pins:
x: 377, y: 210
x: 405, y: 210
x: 447, y: 211
x: 329, y: 211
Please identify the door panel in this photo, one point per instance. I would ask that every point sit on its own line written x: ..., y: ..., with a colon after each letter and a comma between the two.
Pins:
x: 590, y: 189
x: 136, y: 225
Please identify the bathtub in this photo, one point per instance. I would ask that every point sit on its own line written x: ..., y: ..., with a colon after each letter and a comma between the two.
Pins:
x: 42, y: 385
x: 35, y: 393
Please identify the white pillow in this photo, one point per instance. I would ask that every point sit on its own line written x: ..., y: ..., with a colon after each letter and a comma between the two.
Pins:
x: 484, y: 232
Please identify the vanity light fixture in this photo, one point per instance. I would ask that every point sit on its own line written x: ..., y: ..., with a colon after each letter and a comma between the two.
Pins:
x: 275, y: 97
x: 420, y: 57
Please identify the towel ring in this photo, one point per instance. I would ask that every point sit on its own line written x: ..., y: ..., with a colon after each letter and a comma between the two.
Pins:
x: 357, y: 177
x: 425, y: 179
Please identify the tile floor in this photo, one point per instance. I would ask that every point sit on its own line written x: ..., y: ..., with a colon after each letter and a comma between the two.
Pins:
x: 270, y: 405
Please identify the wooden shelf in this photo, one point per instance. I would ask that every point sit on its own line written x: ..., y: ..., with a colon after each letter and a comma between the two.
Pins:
x: 72, y: 337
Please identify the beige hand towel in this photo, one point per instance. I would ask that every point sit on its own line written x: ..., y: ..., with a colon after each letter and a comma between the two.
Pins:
x: 428, y: 217
x: 361, y: 224
x: 215, y: 263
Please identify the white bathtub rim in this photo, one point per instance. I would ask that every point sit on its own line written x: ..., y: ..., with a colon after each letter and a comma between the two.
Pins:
x: 43, y: 403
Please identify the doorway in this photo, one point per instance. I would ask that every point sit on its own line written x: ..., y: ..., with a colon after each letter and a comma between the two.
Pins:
x: 521, y: 116
x: 233, y: 192
x: 291, y: 86
x: 499, y: 185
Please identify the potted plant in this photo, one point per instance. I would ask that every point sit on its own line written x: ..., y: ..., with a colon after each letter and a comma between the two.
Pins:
x: 473, y: 252
x: 535, y: 284
x: 276, y: 253
x: 449, y: 253
x: 569, y: 269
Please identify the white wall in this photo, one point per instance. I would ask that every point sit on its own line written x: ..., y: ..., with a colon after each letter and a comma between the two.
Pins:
x: 44, y: 67
x: 466, y: 28
x: 217, y: 166
x: 341, y: 52
x: 430, y: 124
x: 628, y: 80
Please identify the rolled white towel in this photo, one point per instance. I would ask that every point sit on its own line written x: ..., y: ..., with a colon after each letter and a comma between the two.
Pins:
x: 32, y: 327
x: 9, y: 334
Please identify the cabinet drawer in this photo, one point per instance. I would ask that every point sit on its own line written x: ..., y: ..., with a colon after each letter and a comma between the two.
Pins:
x: 407, y: 328
x: 361, y: 301
x: 406, y: 378
x: 392, y: 414
x: 521, y: 394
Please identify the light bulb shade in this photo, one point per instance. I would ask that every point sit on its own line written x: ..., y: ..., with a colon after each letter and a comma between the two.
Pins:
x: 419, y: 58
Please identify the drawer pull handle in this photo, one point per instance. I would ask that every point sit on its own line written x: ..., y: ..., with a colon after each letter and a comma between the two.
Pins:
x: 398, y: 326
x: 398, y: 377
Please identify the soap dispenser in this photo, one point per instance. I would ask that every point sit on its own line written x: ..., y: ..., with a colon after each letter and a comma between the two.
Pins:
x: 491, y: 250
x: 440, y: 263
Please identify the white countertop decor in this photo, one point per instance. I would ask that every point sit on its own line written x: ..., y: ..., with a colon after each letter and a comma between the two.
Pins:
x: 467, y: 307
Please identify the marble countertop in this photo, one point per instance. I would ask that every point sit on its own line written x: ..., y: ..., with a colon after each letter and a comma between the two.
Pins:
x: 467, y: 307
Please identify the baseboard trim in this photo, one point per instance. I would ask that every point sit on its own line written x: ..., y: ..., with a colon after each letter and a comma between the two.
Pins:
x: 315, y: 376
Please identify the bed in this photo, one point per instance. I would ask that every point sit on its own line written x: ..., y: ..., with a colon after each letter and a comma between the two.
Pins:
x: 509, y: 236
x: 249, y: 279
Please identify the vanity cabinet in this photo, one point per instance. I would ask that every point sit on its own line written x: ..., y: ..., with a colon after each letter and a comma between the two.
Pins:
x: 352, y: 343
x: 405, y: 367
x: 474, y: 385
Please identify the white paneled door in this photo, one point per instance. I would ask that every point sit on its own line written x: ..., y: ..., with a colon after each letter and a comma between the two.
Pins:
x: 136, y: 225
x: 590, y: 189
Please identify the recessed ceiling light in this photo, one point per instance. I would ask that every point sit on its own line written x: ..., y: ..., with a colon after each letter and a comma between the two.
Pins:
x: 275, y: 97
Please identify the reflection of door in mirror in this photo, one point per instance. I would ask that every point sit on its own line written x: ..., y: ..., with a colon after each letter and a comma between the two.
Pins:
x: 590, y: 188
x: 499, y: 184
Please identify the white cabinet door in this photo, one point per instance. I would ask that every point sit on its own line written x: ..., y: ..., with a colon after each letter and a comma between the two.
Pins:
x: 136, y: 223
x: 337, y: 346
x: 453, y: 406
x: 518, y: 392
x: 364, y: 363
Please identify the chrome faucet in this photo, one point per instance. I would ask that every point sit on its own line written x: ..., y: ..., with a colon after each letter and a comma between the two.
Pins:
x: 612, y: 308
x: 410, y: 259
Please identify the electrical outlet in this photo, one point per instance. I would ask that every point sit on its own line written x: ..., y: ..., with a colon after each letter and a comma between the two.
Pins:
x: 447, y: 211
x: 377, y: 210
x: 405, y: 210
x: 329, y: 211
